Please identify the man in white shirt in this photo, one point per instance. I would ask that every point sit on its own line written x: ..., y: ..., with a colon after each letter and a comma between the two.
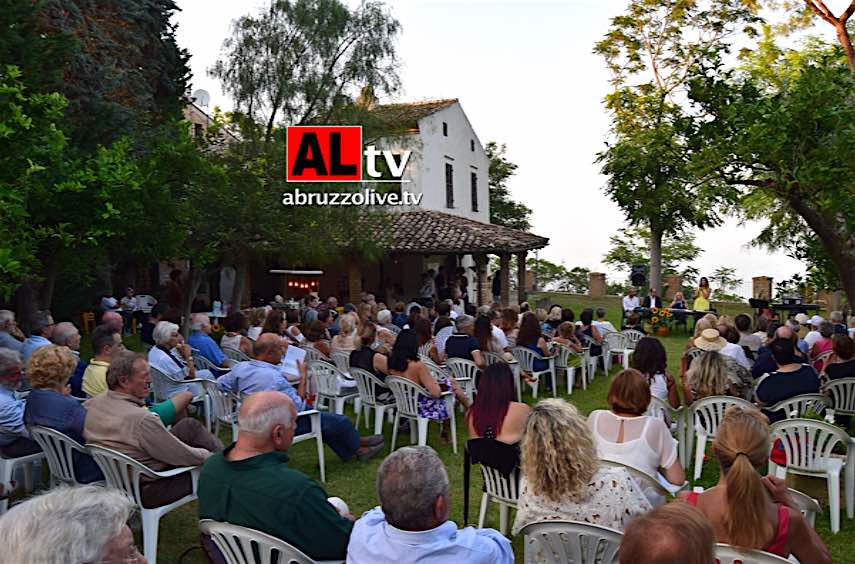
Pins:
x: 630, y: 301
x: 732, y: 349
x: 500, y: 340
x: 814, y: 335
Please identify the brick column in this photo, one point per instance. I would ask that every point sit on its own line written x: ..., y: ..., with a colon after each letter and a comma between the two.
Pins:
x: 482, y: 284
x: 354, y: 282
x: 761, y: 288
x: 522, y: 280
x: 596, y: 284
x: 505, y: 278
x: 673, y: 282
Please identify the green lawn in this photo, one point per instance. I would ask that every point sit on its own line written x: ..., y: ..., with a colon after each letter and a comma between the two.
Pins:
x: 354, y: 481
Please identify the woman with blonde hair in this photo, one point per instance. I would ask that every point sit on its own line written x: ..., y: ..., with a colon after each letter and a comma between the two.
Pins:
x: 708, y: 376
x: 562, y: 478
x: 746, y: 509
x: 345, y: 341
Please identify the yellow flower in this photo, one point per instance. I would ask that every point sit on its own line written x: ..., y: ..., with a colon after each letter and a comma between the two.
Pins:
x: 654, y: 309
x: 666, y: 311
x: 654, y: 320
x: 670, y: 314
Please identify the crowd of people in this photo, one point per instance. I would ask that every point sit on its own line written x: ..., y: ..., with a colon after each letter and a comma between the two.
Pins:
x: 554, y: 451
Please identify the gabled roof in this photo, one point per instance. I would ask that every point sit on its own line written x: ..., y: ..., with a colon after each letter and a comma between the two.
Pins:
x: 433, y: 232
x: 407, y: 115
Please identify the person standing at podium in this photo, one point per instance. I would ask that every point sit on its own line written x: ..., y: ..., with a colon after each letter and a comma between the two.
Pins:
x: 702, y: 295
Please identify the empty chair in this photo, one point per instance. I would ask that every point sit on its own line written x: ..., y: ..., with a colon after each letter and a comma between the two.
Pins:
x: 527, y: 357
x: 124, y: 473
x: 328, y: 380
x: 60, y: 450
x: 726, y: 554
x: 367, y: 385
x: 565, y: 542
x: 240, y: 545
x: 809, y: 451
x: 705, y: 415
x: 406, y: 395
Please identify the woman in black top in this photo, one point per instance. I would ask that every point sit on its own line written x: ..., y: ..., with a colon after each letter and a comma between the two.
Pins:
x: 842, y: 363
x: 366, y: 358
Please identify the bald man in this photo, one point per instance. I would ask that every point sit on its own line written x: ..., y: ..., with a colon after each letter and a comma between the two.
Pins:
x: 265, y: 374
x: 249, y: 484
x: 765, y: 362
x: 65, y: 334
x: 113, y: 320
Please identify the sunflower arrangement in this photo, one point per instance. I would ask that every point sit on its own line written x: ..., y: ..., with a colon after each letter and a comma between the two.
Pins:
x: 659, y: 317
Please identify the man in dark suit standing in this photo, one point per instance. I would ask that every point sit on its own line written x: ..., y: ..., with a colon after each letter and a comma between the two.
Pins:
x: 652, y: 299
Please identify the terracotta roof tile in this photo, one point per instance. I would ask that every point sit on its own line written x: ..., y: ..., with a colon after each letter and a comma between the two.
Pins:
x: 407, y: 115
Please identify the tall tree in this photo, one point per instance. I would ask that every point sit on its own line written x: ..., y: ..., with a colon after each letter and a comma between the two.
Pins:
x: 503, y: 209
x: 633, y: 245
x: 650, y: 50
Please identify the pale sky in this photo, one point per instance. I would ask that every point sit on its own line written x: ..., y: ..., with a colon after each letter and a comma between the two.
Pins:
x: 525, y: 76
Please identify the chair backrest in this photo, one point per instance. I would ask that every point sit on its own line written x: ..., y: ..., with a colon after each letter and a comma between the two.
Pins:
x: 797, y: 406
x: 59, y: 450
x: 203, y: 363
x: 808, y: 443
x: 425, y: 348
x: 146, y: 302
x: 314, y: 354
x: 708, y: 412
x: 235, y: 354
x: 341, y: 360
x: 661, y: 409
x: 393, y: 328
x: 632, y: 337
x: 692, y: 354
x: 842, y: 395
x: 161, y: 383
x: 325, y: 376
x: 823, y: 358
x: 223, y: 404
x: 806, y: 504
x: 616, y: 341
x: 497, y: 485
x: 644, y: 480
x: 525, y: 357
x: 438, y: 372
x: 727, y: 554
x: 241, y: 545
x: 120, y: 471
x: 462, y: 369
x: 366, y: 385
x: 563, y: 542
x: 492, y: 358
x: 406, y: 394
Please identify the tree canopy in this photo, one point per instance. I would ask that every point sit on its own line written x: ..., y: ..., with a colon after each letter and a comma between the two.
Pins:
x: 503, y: 209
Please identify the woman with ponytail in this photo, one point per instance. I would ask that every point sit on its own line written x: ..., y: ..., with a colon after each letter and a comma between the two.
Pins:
x: 747, y: 510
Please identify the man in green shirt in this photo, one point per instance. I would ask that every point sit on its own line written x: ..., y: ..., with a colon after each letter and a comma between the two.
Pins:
x: 249, y: 484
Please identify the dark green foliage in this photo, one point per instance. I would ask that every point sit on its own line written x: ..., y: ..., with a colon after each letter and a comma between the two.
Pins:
x: 503, y: 210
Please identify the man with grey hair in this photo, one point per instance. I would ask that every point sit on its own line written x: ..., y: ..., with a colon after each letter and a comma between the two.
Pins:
x: 836, y: 317
x: 47, y: 528
x: 461, y: 343
x: 11, y: 336
x: 411, y: 524
x: 65, y: 334
x: 200, y: 339
x: 14, y: 441
x: 41, y: 331
x: 249, y: 484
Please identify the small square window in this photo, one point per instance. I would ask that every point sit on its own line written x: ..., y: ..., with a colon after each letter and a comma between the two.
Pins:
x: 444, y: 129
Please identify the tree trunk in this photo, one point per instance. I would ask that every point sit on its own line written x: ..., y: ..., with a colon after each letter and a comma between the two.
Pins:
x: 52, y: 266
x: 846, y: 42
x: 192, y: 282
x: 241, y: 267
x: 25, y: 306
x: 655, y: 258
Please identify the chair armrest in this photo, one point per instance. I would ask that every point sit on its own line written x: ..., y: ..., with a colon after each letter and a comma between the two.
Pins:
x: 175, y: 471
x: 308, y: 412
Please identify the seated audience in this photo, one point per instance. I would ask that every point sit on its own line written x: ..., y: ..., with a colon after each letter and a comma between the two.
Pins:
x: 384, y: 319
x: 836, y: 318
x: 553, y: 320
x: 257, y: 318
x: 762, y: 328
x: 315, y: 338
x: 158, y: 313
x: 747, y: 510
x: 443, y: 328
x: 602, y: 324
x: 814, y: 334
x: 105, y: 342
x: 483, y: 334
x: 412, y: 525
x: 65, y: 334
x: 118, y: 419
x: 40, y: 333
x: 633, y: 322
x: 731, y: 347
x: 650, y: 359
x: 84, y: 524
x: 567, y: 336
x: 11, y: 336
x: 586, y: 327
x: 263, y: 374
x: 842, y: 362
x: 234, y: 326
x: 562, y: 478
x: 200, y: 339
x: 500, y: 341
x: 49, y: 405
x: 510, y: 326
x: 250, y: 484
x: 799, y: 332
x: 173, y: 357
x: 765, y: 363
x: 366, y: 358
x: 114, y: 320
x: 14, y: 439
x: 462, y: 343
x: 708, y: 376
x: 822, y: 345
x: 625, y: 434
x: 531, y: 338
x: 746, y: 337
x: 494, y: 414
x: 344, y: 341
x: 790, y: 379
x: 673, y: 533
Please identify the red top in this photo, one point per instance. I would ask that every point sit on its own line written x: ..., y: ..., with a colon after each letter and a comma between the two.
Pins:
x: 778, y: 544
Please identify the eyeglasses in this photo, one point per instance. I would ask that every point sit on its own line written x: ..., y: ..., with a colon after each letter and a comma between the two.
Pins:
x: 134, y: 557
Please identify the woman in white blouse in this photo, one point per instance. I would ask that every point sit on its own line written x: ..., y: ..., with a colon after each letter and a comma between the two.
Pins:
x: 562, y: 477
x: 626, y: 435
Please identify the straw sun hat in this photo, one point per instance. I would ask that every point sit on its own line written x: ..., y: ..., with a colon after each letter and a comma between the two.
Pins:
x: 710, y: 340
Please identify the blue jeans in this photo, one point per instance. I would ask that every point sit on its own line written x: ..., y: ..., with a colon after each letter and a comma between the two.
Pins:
x: 337, y: 432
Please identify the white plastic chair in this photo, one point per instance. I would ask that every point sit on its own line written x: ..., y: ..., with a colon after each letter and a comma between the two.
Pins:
x: 616, y: 344
x: 526, y: 358
x: 661, y: 409
x: 7, y: 470
x: 807, y: 505
x: 842, y: 395
x: 568, y: 360
x: 314, y: 354
x: 425, y: 348
x: 406, y: 395
x: 797, y: 406
x: 500, y: 490
x: 493, y: 358
x: 565, y: 542
x: 643, y: 480
x: 236, y: 355
x: 464, y: 371
x: 692, y: 354
x: 124, y: 473
x: 161, y: 382
x: 59, y: 450
x: 366, y: 385
x: 727, y: 554
x: 223, y: 408
x: 341, y: 361
x: 822, y: 357
x: 240, y: 544
x: 146, y: 302
x: 315, y: 418
x: 808, y: 448
x: 705, y: 415
x: 328, y: 379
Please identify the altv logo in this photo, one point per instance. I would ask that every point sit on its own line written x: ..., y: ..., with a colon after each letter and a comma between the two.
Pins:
x: 334, y: 153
